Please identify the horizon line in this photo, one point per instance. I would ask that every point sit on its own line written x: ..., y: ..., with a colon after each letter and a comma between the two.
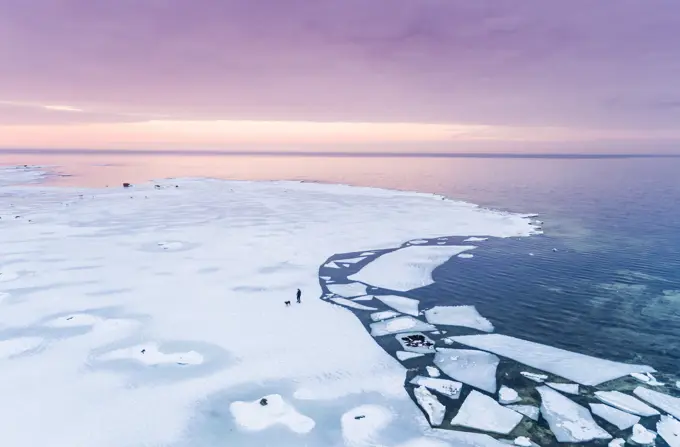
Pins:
x: 331, y: 154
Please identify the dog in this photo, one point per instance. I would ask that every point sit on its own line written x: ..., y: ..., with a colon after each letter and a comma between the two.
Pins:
x: 287, y: 303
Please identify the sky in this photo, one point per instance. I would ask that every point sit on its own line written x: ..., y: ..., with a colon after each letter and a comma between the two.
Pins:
x: 449, y: 75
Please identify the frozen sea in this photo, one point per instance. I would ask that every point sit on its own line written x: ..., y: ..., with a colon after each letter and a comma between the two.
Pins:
x: 604, y: 279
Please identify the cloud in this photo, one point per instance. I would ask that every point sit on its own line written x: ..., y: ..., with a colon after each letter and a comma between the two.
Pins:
x: 63, y: 108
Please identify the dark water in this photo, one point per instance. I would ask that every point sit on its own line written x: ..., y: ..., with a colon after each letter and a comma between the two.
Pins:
x: 612, y: 288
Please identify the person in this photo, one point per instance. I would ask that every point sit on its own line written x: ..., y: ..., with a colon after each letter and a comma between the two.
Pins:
x: 299, y: 294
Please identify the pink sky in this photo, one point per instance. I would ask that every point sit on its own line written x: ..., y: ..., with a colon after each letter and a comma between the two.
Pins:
x: 448, y: 74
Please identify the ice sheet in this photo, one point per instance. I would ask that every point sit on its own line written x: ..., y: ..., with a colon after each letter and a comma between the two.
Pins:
x: 399, y: 303
x: 475, y: 368
x: 430, y: 404
x: 626, y: 403
x: 669, y: 429
x: 614, y: 416
x: 667, y: 403
x: 580, y: 368
x: 465, y: 316
x: 448, y: 388
x: 481, y: 412
x: 240, y: 250
x: 254, y: 416
x: 407, y: 268
x: 416, y: 342
x: 568, y: 421
x: 399, y: 324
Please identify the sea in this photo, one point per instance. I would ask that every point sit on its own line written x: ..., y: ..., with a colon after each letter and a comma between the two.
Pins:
x: 603, y: 280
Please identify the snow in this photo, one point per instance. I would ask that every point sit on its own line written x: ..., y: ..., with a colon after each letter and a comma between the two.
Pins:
x: 255, y: 417
x: 507, y: 395
x: 579, y: 368
x: 448, y: 388
x: 399, y: 303
x: 362, y: 424
x: 260, y: 241
x: 667, y: 403
x: 539, y: 378
x: 352, y: 304
x: 475, y: 368
x: 430, y: 404
x: 350, y: 290
x: 149, y: 354
x: 407, y: 268
x: 569, y: 388
x: 465, y: 316
x: 432, y: 371
x: 642, y: 436
x: 530, y: 411
x: 669, y: 429
x: 476, y: 239
x: 403, y: 355
x: 17, y: 346
x: 384, y: 315
x: 619, y: 418
x: 626, y: 403
x: 397, y: 325
x: 568, y: 421
x: 481, y: 412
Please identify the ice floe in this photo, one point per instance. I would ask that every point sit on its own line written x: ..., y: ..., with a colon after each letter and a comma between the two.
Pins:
x: 530, y: 411
x: 507, y: 395
x: 669, y: 429
x: 647, y: 378
x: 270, y: 410
x: 384, y: 315
x: 432, y: 371
x: 579, y: 368
x: 642, y: 436
x: 400, y: 303
x: 522, y: 441
x: 399, y: 324
x: 569, y: 388
x: 404, y: 355
x: 448, y: 388
x: 475, y: 368
x: 18, y: 346
x: 667, y: 403
x: 466, y: 256
x: 430, y: 404
x: 465, y: 316
x: 618, y: 442
x: 149, y: 354
x: 619, y: 418
x: 538, y: 378
x: 361, y: 425
x: 407, y: 268
x: 352, y: 304
x: 349, y: 290
x: 568, y: 421
x: 626, y: 403
x: 475, y: 239
x: 481, y: 412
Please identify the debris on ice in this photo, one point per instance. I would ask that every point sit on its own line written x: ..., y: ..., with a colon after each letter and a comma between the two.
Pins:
x: 416, y: 342
x: 465, y: 316
x: 481, y: 412
x: 614, y: 416
x: 430, y: 404
x: 476, y: 368
x: 255, y: 417
x: 568, y: 421
x: 362, y: 424
x: 625, y: 402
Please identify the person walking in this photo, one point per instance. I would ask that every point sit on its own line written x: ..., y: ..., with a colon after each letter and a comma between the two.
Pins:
x: 299, y: 294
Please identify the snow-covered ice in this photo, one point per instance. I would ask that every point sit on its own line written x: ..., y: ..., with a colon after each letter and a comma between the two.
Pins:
x: 530, y: 411
x: 352, y: 304
x: 362, y: 425
x: 404, y: 355
x: 430, y: 404
x: 626, y: 403
x: 399, y: 324
x: 17, y: 346
x: 569, y: 388
x: 568, y: 421
x: 261, y: 241
x: 149, y: 354
x: 255, y: 416
x: 642, y: 436
x: 407, y: 268
x: 384, y: 315
x: 349, y: 290
x: 481, y: 412
x: 446, y: 387
x: 621, y: 419
x: 465, y: 316
x: 669, y: 429
x: 507, y: 395
x: 580, y: 368
x: 667, y: 403
x: 475, y: 368
x: 400, y: 303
